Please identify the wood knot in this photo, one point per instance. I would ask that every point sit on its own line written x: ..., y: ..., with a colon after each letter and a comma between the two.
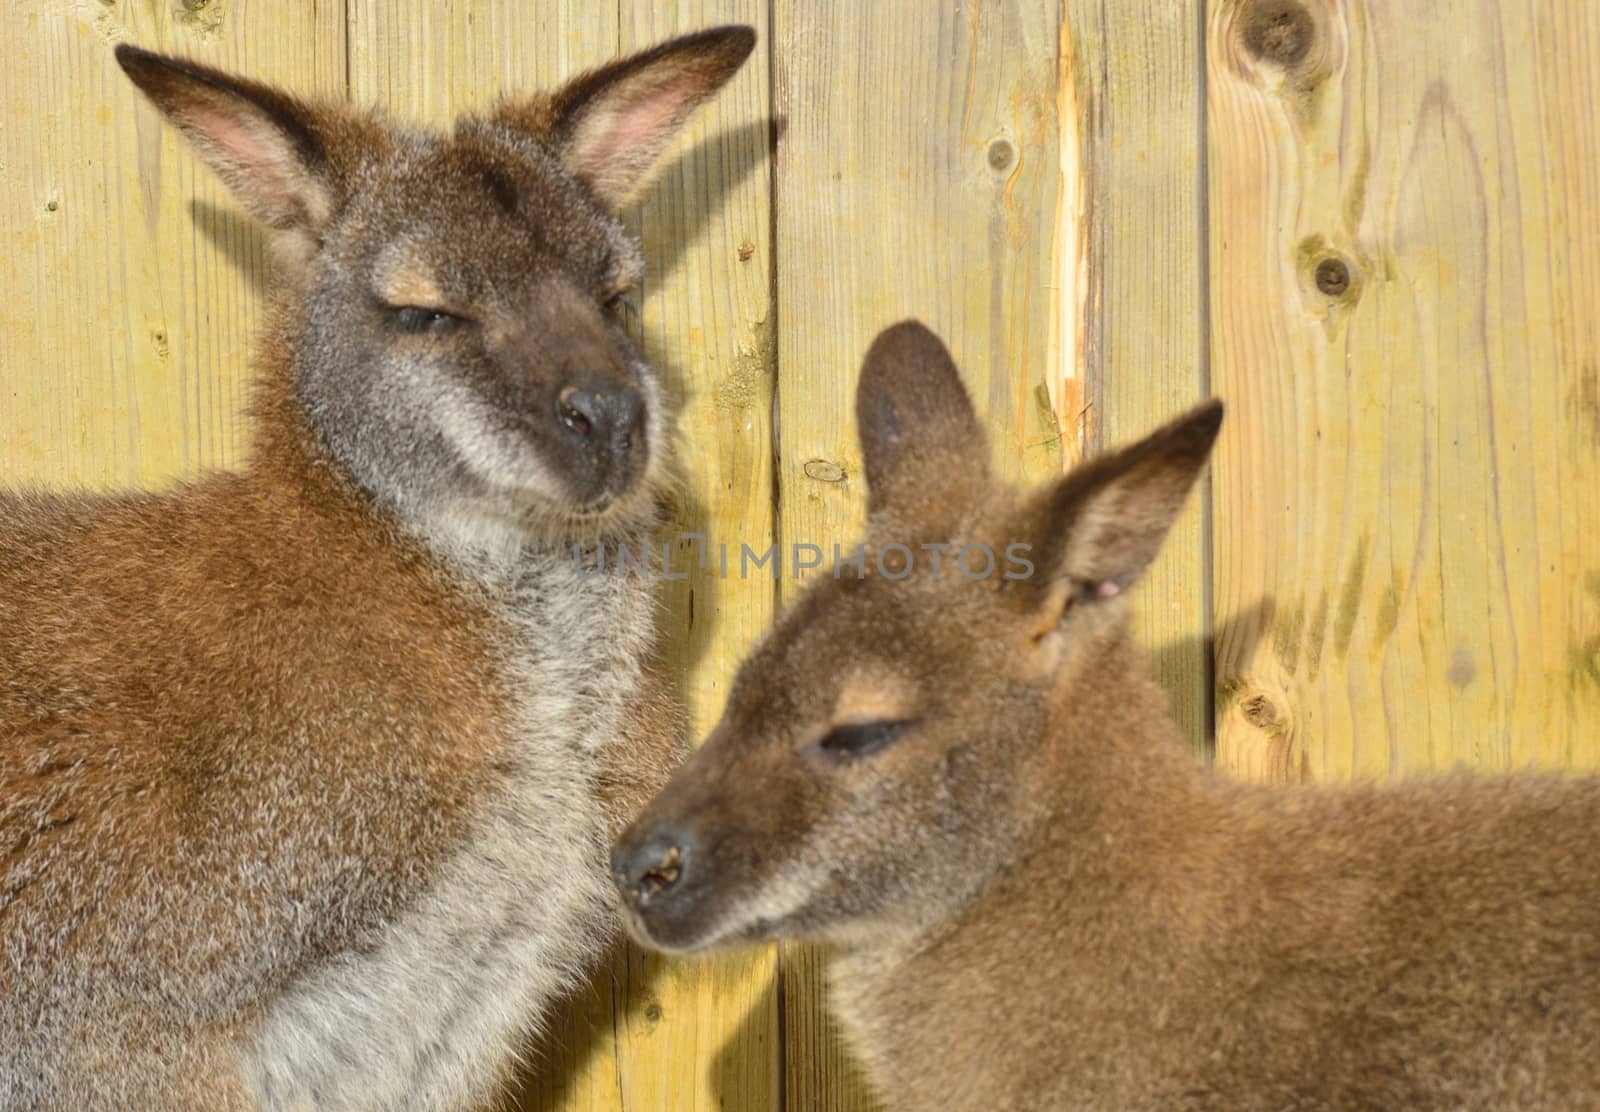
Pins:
x: 1280, y: 31
x: 824, y: 471
x: 652, y: 1012
x: 1001, y: 155
x: 1333, y: 276
x: 1328, y: 270
x: 1260, y: 713
x: 746, y: 250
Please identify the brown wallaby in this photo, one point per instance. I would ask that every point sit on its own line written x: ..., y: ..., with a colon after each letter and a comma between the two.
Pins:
x: 970, y: 784
x: 307, y: 773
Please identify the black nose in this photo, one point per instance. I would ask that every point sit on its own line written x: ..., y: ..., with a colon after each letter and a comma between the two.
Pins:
x: 650, y: 868
x: 602, y: 409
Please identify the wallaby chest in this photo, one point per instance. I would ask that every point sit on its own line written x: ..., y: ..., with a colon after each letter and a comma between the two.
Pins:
x: 516, y: 916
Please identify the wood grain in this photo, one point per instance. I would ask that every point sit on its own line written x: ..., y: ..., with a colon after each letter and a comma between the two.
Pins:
x: 1404, y: 205
x: 1143, y: 353
x: 132, y: 283
x: 917, y: 175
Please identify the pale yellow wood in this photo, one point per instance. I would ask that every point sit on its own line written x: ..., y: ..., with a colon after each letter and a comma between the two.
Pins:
x: 1142, y: 356
x: 649, y: 1034
x: 132, y: 285
x: 918, y: 174
x: 1408, y: 489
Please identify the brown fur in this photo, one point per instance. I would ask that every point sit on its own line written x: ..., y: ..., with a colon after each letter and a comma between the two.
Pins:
x: 306, y: 772
x: 1039, y: 901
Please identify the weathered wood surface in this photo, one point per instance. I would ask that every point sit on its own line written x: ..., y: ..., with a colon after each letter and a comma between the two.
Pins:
x: 1405, y: 210
x: 1142, y: 358
x: 132, y: 285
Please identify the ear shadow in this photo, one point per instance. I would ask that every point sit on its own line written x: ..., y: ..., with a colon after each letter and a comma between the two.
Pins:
x: 1176, y: 660
x: 238, y: 237
x: 678, y: 207
x: 688, y: 605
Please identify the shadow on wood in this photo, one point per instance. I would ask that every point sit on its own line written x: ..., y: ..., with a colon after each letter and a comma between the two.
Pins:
x: 240, y: 240
x: 1177, y: 656
x: 750, y: 146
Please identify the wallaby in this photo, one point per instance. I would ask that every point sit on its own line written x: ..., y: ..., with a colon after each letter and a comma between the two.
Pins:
x: 308, y: 772
x: 971, y: 786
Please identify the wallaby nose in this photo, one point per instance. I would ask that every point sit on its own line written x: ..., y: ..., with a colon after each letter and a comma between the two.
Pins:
x: 650, y: 868
x: 604, y: 410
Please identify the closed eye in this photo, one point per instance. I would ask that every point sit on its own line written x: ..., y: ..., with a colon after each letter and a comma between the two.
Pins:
x: 621, y: 305
x: 860, y: 739
x: 418, y: 319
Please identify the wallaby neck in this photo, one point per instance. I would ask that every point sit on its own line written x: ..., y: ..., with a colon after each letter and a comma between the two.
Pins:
x: 285, y: 450
x: 1113, y: 766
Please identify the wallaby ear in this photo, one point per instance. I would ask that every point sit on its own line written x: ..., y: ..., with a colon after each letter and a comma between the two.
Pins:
x: 612, y: 125
x: 1100, y: 526
x: 920, y: 438
x: 262, y: 143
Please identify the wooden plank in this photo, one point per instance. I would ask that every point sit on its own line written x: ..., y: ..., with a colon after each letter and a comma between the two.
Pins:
x: 653, y: 1034
x: 133, y: 285
x: 918, y: 173
x: 704, y: 1034
x: 1404, y: 203
x: 1142, y: 357
x: 432, y: 61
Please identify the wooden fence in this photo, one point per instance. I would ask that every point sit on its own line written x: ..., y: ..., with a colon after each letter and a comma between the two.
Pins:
x: 1373, y: 226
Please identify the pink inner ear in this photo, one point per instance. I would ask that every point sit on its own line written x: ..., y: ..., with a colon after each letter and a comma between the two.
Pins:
x: 228, y: 135
x: 252, y: 157
x: 1108, y: 589
x: 643, y: 121
x: 617, y: 143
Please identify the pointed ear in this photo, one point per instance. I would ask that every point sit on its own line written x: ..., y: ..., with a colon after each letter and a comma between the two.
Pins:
x: 1099, y: 527
x: 920, y: 438
x: 611, y: 125
x: 262, y: 143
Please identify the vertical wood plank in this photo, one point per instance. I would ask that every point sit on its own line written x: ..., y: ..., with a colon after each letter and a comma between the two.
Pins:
x: 132, y: 282
x: 1404, y: 201
x: 1143, y: 355
x: 430, y: 62
x: 704, y: 1034
x: 651, y: 1034
x: 918, y: 173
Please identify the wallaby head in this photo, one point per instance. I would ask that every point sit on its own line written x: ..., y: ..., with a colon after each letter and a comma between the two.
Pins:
x: 450, y: 315
x: 875, y: 761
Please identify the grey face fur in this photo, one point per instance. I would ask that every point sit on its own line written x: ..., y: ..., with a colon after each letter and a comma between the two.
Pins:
x: 435, y: 369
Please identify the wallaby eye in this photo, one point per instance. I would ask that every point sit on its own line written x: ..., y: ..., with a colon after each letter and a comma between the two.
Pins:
x: 859, y: 739
x: 620, y: 304
x: 414, y: 319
